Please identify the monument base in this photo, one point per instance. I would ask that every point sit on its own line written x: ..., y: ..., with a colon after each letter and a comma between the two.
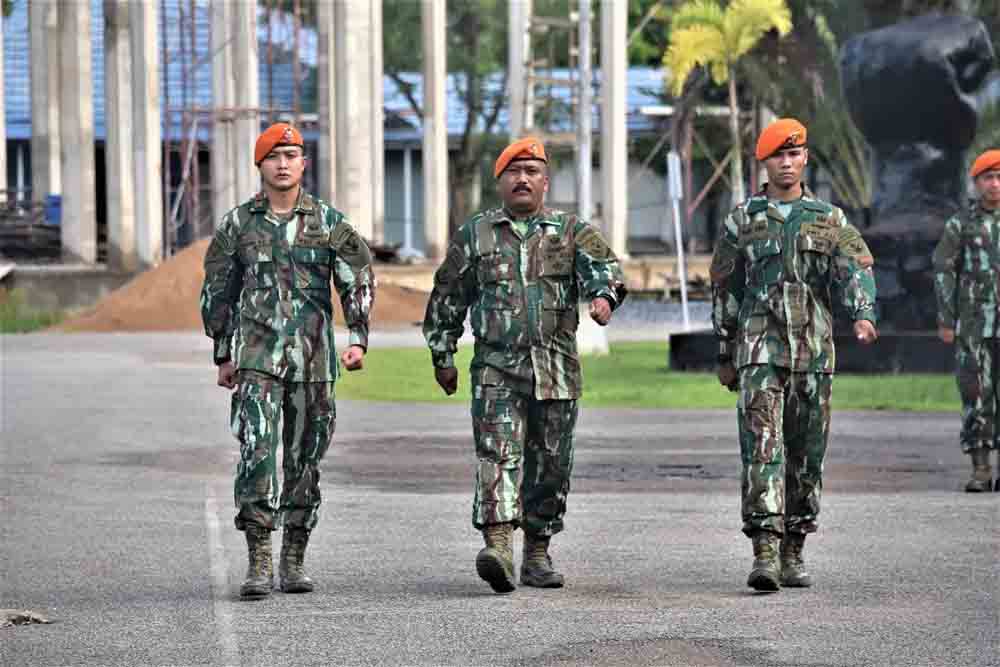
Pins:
x: 894, y: 352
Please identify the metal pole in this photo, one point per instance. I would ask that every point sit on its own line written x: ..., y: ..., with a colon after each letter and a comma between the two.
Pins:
x: 676, y: 192
x: 584, y: 158
x: 408, y: 200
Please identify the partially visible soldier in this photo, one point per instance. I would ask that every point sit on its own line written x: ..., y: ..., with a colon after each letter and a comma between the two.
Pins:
x: 522, y: 269
x: 967, y: 267
x: 266, y: 304
x: 783, y: 257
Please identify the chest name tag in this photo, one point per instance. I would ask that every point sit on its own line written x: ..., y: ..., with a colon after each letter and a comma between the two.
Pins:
x: 818, y: 237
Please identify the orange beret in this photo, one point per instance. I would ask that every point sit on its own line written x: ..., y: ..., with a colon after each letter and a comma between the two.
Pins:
x: 988, y: 160
x: 528, y: 148
x: 782, y: 133
x: 279, y: 134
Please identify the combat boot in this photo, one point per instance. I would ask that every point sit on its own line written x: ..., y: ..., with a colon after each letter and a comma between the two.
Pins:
x: 495, y: 562
x: 260, y: 572
x: 291, y: 576
x: 536, y: 568
x: 766, y: 572
x: 793, y: 567
x: 982, y: 473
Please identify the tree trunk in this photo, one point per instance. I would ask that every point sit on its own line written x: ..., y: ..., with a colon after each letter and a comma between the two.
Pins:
x: 736, y: 175
x: 461, y: 182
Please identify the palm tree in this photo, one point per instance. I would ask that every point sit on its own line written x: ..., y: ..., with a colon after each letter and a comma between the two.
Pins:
x: 703, y: 33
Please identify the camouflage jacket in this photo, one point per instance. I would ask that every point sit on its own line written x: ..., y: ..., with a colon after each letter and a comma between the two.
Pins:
x: 774, y: 279
x: 267, y: 288
x: 967, y: 268
x: 524, y: 294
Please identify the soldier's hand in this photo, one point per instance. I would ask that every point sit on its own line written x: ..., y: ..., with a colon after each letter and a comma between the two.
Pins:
x: 600, y: 311
x: 728, y: 377
x: 353, y: 357
x: 865, y: 332
x: 946, y: 334
x: 447, y: 379
x: 227, y: 375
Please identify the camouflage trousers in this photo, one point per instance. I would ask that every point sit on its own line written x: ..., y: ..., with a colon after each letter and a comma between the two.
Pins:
x: 784, y: 424
x: 524, y: 448
x: 976, y: 366
x: 305, y: 413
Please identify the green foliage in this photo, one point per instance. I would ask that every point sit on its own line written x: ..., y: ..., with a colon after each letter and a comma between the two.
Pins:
x: 987, y: 132
x: 703, y: 33
x: 635, y: 375
x: 814, y: 95
x: 17, y: 317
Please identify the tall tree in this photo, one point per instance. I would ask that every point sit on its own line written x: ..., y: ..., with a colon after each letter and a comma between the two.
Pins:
x: 705, y: 34
x: 477, y: 52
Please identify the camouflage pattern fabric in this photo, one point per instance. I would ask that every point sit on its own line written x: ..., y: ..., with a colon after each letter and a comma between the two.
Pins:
x: 773, y: 281
x: 967, y: 270
x: 523, y: 292
x: 977, y: 386
x: 266, y: 296
x: 512, y: 430
x: 306, y: 414
x: 784, y: 424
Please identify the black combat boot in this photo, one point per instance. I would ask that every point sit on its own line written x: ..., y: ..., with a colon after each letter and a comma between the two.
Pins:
x: 982, y: 473
x: 260, y: 572
x: 536, y: 568
x: 291, y: 575
x: 793, y: 566
x: 495, y: 562
x: 766, y: 572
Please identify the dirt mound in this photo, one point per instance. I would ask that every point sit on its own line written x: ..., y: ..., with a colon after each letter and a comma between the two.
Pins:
x: 167, y: 299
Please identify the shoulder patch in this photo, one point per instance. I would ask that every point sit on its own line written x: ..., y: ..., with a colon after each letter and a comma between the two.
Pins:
x: 592, y: 243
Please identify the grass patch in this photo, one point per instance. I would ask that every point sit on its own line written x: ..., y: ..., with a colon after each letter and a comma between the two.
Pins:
x: 17, y: 317
x: 635, y: 375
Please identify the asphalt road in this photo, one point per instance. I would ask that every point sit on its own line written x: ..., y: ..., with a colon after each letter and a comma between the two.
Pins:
x: 115, y: 491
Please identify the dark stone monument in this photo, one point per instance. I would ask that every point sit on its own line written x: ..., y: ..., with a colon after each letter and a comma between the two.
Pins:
x: 910, y: 89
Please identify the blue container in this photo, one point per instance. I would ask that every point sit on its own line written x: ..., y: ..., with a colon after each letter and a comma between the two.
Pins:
x: 53, y: 209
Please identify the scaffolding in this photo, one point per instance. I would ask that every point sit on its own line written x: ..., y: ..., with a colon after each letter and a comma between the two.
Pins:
x: 192, y: 118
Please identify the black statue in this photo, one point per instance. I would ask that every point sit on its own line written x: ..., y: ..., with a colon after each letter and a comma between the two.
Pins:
x: 911, y: 89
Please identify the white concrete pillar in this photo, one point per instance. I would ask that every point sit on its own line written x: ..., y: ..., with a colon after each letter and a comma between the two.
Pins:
x: 76, y: 124
x: 355, y: 115
x: 614, y: 133
x: 247, y: 98
x: 149, y: 206
x: 518, y: 54
x: 326, y: 160
x: 585, y: 113
x: 223, y: 100
x: 3, y: 125
x: 119, y: 145
x: 46, y: 177
x: 435, y: 125
x: 377, y: 122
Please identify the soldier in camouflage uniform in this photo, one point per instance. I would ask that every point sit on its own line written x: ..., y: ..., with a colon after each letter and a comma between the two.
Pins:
x: 782, y: 258
x: 967, y: 268
x: 522, y: 270
x: 266, y: 304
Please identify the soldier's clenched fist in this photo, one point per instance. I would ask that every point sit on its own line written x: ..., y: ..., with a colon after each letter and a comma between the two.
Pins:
x: 447, y: 379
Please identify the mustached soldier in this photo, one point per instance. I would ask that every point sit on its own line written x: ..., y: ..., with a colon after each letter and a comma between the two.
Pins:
x: 266, y: 304
x: 522, y: 269
x: 967, y: 268
x: 781, y: 259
